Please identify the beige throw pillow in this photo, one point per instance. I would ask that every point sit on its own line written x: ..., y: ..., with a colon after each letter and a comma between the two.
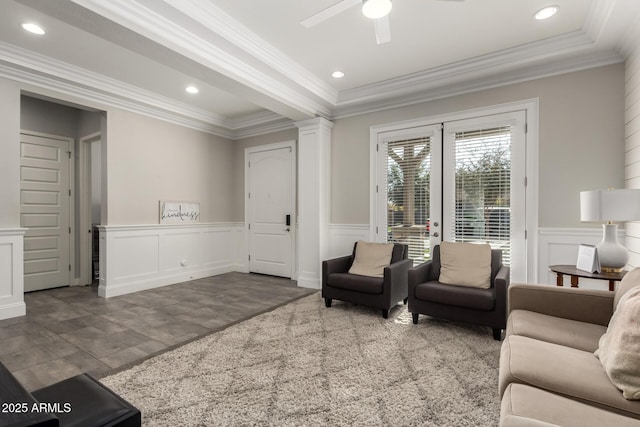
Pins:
x: 619, y: 347
x: 371, y: 258
x: 465, y: 264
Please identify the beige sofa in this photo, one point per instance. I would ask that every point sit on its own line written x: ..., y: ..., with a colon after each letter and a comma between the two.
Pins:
x: 549, y: 375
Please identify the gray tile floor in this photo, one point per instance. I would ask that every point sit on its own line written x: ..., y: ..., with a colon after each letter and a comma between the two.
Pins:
x: 71, y: 330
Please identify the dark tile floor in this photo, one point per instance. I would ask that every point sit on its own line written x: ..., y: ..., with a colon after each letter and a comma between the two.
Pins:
x: 71, y: 330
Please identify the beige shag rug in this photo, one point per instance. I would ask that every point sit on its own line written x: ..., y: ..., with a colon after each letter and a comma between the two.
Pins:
x: 306, y: 365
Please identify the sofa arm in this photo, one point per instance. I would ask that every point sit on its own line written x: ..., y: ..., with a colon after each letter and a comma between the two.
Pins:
x: 584, y: 305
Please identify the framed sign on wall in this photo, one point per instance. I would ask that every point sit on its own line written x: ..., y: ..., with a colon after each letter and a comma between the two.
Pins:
x: 179, y: 212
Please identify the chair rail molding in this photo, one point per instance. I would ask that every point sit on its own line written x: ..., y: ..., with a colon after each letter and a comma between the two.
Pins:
x: 12, y: 273
x: 139, y: 257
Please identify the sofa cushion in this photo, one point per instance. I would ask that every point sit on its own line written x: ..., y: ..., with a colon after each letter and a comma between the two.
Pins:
x: 371, y: 258
x: 475, y: 298
x: 354, y: 282
x: 562, y: 370
x: 619, y: 347
x: 572, y: 333
x: 529, y: 406
x: 628, y: 282
x: 465, y: 264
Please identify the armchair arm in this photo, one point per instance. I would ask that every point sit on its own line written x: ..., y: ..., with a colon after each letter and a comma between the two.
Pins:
x: 584, y: 305
x: 397, y: 271
x: 418, y: 274
x: 395, y: 279
x: 501, y: 286
x: 337, y: 265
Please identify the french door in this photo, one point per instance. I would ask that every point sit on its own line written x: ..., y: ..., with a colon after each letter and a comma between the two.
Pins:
x: 458, y: 181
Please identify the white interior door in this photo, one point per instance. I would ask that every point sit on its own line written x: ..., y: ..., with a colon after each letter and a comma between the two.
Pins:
x: 45, y: 211
x: 270, y: 208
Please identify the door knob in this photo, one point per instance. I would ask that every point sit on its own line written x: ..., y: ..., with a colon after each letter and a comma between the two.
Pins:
x: 436, y: 234
x: 435, y: 224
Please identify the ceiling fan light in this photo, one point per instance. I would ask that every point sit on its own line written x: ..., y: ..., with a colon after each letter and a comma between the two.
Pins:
x: 376, y: 9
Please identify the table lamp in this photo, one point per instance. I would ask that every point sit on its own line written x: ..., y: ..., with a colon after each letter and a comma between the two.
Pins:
x: 610, y: 206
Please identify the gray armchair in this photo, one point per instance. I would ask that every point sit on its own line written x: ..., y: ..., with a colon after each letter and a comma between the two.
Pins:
x: 486, y: 307
x: 380, y: 292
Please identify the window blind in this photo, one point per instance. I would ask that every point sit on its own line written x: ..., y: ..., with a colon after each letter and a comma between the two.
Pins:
x: 408, y: 173
x: 482, y: 211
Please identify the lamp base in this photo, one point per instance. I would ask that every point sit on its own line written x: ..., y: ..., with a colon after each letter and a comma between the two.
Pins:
x: 611, y: 254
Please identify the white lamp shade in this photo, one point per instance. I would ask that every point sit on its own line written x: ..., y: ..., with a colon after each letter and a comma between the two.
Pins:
x: 610, y: 205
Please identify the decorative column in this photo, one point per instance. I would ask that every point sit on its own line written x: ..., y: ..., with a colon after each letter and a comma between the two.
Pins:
x: 314, y: 167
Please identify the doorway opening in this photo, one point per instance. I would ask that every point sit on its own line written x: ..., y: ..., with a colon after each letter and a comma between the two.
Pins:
x: 58, y: 143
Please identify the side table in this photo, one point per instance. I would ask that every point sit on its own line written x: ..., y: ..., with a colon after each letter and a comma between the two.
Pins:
x: 571, y: 270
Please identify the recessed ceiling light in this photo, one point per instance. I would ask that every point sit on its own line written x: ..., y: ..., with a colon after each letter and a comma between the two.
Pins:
x: 546, y: 12
x: 192, y: 89
x: 337, y: 74
x: 33, y: 28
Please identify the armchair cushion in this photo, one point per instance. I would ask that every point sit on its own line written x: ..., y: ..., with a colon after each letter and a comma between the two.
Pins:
x: 459, y: 296
x: 371, y: 258
x: 619, y: 347
x: 465, y: 264
x: 354, y: 282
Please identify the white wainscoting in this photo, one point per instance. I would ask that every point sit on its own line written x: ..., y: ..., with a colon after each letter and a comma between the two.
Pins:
x: 343, y: 236
x: 560, y: 246
x: 12, y: 273
x: 135, y: 258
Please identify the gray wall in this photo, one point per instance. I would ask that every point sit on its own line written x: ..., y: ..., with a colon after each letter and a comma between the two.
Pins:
x: 581, y: 141
x: 150, y: 160
x: 10, y: 154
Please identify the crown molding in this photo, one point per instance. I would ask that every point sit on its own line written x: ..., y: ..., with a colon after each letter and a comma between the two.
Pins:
x: 476, y: 84
x: 223, y: 24
x: 473, y: 68
x: 160, y: 29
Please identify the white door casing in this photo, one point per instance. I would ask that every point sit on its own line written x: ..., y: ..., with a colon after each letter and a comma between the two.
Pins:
x: 270, y: 183
x: 45, y: 210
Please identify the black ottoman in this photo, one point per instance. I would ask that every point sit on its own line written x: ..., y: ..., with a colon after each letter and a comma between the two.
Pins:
x: 82, y: 401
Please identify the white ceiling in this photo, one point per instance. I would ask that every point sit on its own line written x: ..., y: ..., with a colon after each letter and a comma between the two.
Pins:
x: 257, y: 68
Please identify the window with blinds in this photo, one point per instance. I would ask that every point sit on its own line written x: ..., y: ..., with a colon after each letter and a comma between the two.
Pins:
x: 483, y: 188
x: 408, y: 172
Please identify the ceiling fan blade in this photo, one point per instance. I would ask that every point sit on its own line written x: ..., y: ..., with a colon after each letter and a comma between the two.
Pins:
x: 383, y: 29
x: 329, y: 12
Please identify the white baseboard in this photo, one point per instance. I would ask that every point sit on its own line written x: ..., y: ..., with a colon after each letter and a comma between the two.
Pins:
x: 12, y: 273
x: 143, y: 257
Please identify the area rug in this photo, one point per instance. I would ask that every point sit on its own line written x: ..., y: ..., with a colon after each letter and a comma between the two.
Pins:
x: 307, y: 365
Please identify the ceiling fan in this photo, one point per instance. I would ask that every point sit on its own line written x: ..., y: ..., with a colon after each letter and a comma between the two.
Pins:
x: 376, y: 10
